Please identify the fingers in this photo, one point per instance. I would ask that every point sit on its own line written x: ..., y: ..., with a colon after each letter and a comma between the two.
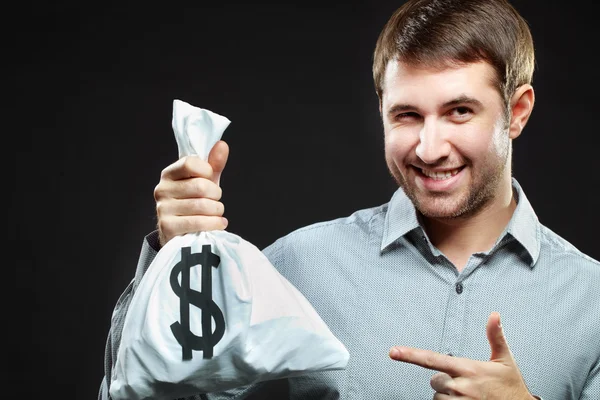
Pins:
x: 448, y: 386
x: 442, y: 396
x: 454, y: 366
x: 187, y: 167
x: 190, y: 207
x: 188, y: 193
x: 495, y: 334
x: 180, y: 216
x: 442, y: 383
x: 187, y: 189
x: 191, y: 176
x: 217, y: 159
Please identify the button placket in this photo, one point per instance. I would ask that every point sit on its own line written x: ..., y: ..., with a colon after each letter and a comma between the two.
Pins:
x: 454, y: 320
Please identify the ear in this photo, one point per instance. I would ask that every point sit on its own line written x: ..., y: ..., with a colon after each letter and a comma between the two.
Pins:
x: 521, y: 106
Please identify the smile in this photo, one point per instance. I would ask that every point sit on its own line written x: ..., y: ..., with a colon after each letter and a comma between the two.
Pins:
x: 441, y: 175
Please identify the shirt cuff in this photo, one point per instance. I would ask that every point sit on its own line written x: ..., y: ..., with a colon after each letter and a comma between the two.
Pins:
x: 150, y: 248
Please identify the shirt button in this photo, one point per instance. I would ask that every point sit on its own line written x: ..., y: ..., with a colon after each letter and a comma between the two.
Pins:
x: 459, y: 288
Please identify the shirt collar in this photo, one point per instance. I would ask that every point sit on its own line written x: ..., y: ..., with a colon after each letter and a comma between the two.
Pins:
x: 524, y: 224
x: 402, y: 217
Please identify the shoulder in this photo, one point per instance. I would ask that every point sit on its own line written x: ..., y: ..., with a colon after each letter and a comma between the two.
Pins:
x: 341, y: 230
x: 358, y: 221
x: 561, y: 253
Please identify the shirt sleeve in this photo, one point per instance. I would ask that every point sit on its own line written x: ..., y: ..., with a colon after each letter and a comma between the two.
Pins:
x: 149, y: 250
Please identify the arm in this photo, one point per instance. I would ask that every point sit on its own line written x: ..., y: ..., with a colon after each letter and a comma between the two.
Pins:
x: 147, y: 254
x: 187, y: 200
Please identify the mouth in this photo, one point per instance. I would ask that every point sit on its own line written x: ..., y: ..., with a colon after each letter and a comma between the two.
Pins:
x: 439, y: 175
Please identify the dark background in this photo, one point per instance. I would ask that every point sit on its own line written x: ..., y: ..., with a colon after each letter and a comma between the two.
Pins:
x: 90, y: 87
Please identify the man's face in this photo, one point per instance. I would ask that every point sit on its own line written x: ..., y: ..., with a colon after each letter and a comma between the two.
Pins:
x: 446, y: 137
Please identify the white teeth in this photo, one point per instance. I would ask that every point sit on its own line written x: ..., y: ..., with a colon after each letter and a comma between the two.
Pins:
x: 439, y: 176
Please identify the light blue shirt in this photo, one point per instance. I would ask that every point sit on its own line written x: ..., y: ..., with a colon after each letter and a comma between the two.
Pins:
x: 377, y: 281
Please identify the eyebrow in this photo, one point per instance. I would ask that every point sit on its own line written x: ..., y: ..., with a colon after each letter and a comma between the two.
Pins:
x: 463, y: 99
x: 460, y: 100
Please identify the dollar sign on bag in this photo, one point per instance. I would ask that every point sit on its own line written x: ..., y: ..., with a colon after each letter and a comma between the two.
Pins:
x: 203, y: 300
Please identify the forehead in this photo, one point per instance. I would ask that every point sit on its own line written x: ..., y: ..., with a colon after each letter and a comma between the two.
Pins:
x: 404, y: 83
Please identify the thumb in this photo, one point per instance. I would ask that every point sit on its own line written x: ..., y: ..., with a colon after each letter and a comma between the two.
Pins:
x: 217, y: 158
x: 495, y: 334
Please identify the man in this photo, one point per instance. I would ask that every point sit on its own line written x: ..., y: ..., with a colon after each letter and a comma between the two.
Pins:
x: 427, y: 278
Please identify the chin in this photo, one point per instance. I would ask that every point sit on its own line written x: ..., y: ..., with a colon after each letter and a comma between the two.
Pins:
x: 442, y: 206
x: 444, y: 211
x: 458, y: 206
x: 441, y: 214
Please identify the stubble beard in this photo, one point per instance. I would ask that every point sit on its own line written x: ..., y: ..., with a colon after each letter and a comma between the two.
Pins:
x: 481, y: 192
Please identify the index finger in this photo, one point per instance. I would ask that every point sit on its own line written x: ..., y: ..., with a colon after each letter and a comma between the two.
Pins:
x: 453, y: 366
x: 188, y: 167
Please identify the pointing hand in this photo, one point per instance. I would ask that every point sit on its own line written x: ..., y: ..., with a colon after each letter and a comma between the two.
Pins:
x: 496, y: 379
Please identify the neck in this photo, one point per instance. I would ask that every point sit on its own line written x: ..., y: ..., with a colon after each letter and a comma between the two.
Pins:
x: 459, y: 238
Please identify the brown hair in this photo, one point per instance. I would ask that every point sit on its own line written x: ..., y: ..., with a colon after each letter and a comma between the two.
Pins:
x: 440, y: 33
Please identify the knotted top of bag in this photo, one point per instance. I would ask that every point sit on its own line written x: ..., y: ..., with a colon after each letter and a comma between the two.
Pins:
x: 196, y: 129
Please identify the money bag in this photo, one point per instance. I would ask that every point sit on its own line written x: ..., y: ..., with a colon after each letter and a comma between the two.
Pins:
x: 211, y: 312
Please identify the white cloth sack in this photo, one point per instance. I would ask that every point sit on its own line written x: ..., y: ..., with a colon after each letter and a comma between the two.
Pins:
x: 212, y: 313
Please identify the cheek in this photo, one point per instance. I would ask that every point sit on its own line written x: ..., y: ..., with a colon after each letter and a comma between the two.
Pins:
x: 500, y: 142
x: 399, y: 145
x: 477, y: 143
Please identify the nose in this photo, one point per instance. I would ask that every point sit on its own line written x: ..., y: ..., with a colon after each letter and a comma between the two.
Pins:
x: 433, y: 145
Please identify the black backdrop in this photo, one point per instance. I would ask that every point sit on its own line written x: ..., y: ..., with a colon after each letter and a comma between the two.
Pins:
x: 89, y: 91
